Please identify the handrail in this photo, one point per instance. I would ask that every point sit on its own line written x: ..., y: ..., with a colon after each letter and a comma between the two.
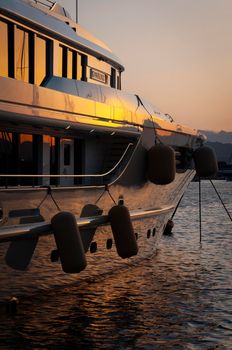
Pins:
x: 70, y: 175
x: 47, y: 3
x: 9, y: 233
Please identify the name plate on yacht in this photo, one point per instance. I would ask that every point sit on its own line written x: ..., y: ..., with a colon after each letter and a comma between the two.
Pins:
x: 98, y: 75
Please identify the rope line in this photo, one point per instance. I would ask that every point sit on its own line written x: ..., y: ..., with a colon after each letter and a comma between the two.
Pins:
x: 226, y: 210
x: 106, y: 189
x: 49, y: 192
x: 177, y: 207
x: 55, y: 202
x: 140, y: 102
x: 101, y: 195
x: 43, y: 200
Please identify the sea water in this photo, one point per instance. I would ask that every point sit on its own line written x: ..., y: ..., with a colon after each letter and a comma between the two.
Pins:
x: 179, y: 298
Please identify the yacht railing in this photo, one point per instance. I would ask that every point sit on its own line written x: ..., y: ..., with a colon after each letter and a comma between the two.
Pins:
x: 46, y: 3
x: 80, y: 176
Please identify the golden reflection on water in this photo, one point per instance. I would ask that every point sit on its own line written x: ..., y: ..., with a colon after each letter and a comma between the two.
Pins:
x: 177, y: 299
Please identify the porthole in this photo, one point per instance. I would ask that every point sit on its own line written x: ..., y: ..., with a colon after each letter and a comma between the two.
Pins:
x: 93, y: 247
x: 109, y: 243
x: 153, y: 232
x: 55, y: 256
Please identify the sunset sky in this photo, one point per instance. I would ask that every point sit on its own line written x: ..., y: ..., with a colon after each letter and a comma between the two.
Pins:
x: 177, y: 53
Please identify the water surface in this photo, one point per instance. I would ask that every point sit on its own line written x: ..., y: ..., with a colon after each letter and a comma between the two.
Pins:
x: 178, y: 299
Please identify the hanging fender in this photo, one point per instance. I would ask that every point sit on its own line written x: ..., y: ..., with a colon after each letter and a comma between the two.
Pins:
x: 161, y: 167
x: 123, y: 232
x: 69, y: 242
x: 205, y: 161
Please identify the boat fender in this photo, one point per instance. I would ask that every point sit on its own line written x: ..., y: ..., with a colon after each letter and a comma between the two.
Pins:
x: 205, y: 161
x: 69, y: 243
x: 161, y: 167
x: 168, y: 228
x: 123, y: 232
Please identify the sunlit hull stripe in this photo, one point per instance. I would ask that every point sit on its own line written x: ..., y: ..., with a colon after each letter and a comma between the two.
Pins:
x: 10, y: 232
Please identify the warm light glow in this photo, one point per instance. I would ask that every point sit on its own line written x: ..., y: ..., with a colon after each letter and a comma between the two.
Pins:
x: 3, y: 48
x: 40, y: 60
x: 21, y: 55
x: 25, y: 138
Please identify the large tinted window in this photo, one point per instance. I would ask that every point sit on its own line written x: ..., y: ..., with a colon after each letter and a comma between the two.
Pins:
x: 84, y: 63
x: 60, y: 61
x: 21, y: 54
x: 79, y: 67
x: 24, y: 55
x: 40, y: 59
x: 67, y: 63
x: 3, y: 49
x: 67, y: 154
x: 71, y: 61
x: 72, y: 65
x: 113, y: 78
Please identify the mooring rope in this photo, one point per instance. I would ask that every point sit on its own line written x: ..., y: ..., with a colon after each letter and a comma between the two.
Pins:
x: 49, y: 193
x: 140, y: 102
x: 177, y: 206
x: 226, y: 210
x: 106, y: 189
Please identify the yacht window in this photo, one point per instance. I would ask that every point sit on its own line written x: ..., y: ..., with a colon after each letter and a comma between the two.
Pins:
x: 119, y: 81
x: 40, y: 60
x: 74, y: 65
x: 21, y: 55
x: 113, y: 78
x: 70, y: 63
x: 84, y: 62
x: 64, y: 62
x: 60, y: 61
x: 79, y: 67
x: 11, y: 55
x: 19, y: 154
x: 67, y: 153
x: 3, y: 49
x: 6, y: 155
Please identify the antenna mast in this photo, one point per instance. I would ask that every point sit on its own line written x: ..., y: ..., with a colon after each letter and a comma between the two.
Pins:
x: 77, y: 11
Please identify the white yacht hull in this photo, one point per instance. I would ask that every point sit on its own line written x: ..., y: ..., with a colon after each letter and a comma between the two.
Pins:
x: 152, y: 204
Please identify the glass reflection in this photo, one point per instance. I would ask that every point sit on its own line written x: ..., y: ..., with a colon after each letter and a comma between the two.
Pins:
x: 21, y: 55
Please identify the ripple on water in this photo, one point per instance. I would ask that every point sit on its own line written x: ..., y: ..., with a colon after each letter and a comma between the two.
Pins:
x: 177, y: 299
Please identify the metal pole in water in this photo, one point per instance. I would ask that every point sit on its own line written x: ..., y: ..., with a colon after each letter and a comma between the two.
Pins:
x: 200, y: 206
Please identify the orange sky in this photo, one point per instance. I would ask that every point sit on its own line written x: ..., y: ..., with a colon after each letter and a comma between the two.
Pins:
x: 177, y: 53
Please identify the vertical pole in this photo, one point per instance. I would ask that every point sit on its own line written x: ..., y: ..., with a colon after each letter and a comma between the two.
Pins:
x: 200, y: 206
x: 77, y: 11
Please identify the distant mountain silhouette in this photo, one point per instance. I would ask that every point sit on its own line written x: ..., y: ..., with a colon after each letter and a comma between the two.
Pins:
x: 221, y: 142
x: 223, y: 151
x: 221, y: 136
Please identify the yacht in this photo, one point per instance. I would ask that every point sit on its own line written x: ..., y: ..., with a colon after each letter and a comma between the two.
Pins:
x: 89, y: 174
